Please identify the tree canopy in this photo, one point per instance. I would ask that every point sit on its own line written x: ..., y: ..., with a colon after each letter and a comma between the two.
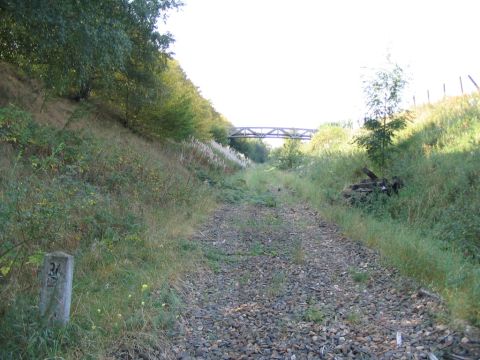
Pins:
x: 72, y: 44
x: 113, y: 50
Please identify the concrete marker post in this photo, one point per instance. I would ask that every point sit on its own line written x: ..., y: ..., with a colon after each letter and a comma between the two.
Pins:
x: 56, y: 293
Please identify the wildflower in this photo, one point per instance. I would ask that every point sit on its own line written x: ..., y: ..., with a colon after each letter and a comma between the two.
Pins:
x: 93, y: 327
x: 144, y: 287
x: 129, y: 296
x: 99, y: 311
x: 119, y: 316
x: 143, y: 303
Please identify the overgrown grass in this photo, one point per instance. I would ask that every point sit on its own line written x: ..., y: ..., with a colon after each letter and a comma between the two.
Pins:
x: 246, y: 188
x: 123, y: 207
x: 431, y: 231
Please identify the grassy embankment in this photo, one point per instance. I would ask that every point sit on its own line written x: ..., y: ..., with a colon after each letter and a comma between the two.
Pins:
x: 123, y: 206
x: 431, y: 231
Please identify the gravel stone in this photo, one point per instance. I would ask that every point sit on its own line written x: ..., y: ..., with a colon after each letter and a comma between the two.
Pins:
x: 286, y: 284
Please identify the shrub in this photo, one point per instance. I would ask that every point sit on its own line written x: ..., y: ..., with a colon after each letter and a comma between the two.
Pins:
x: 289, y: 156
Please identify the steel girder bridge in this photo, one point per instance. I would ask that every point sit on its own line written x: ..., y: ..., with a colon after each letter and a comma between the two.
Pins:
x: 271, y: 132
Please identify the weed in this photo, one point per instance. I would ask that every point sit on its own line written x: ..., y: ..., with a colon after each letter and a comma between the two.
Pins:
x: 244, y: 279
x: 353, y: 317
x: 313, y: 314
x: 359, y: 276
x: 277, y: 284
x: 265, y: 199
x: 215, y: 257
x: 168, y: 306
x: 272, y: 253
x: 298, y: 255
x: 257, y: 249
x: 187, y: 246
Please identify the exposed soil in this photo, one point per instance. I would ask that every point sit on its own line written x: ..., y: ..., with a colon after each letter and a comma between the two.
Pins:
x: 30, y: 95
x: 287, y: 285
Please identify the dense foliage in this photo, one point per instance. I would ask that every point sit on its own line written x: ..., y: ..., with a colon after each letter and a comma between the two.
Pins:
x: 289, y: 155
x: 254, y: 149
x: 328, y: 138
x: 180, y: 111
x: 111, y: 50
x: 75, y: 45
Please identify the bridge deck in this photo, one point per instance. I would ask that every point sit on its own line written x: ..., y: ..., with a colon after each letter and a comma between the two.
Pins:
x: 258, y: 132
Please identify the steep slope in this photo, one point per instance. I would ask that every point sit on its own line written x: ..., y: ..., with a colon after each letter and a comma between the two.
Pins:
x: 73, y: 179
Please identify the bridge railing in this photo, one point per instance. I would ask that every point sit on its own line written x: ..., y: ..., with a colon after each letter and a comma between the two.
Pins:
x: 258, y: 132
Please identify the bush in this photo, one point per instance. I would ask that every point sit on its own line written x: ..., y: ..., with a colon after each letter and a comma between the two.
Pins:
x: 289, y: 156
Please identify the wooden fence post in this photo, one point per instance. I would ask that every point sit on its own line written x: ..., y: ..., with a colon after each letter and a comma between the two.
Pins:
x: 474, y: 83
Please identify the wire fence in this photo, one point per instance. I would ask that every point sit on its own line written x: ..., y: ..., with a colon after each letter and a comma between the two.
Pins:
x: 463, y: 85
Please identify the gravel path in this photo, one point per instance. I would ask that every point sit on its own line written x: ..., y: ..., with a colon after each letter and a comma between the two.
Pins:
x: 285, y: 284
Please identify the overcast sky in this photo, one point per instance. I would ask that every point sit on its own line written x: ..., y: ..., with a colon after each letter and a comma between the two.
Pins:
x: 300, y: 63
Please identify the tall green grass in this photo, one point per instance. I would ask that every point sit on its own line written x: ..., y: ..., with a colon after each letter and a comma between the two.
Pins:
x: 124, y: 207
x: 438, y: 157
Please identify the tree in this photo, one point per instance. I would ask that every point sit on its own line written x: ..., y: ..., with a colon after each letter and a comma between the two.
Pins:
x: 75, y: 45
x: 137, y: 82
x: 384, y: 116
x: 113, y: 50
x: 289, y: 155
x: 254, y: 149
x: 329, y: 137
x: 179, y: 110
x: 219, y: 130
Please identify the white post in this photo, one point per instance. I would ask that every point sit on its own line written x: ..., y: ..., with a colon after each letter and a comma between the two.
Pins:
x: 56, y: 294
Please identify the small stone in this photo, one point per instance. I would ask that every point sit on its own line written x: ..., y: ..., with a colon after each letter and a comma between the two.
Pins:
x: 464, y: 340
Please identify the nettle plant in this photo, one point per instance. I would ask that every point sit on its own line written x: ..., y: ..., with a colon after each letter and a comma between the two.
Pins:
x: 384, y: 115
